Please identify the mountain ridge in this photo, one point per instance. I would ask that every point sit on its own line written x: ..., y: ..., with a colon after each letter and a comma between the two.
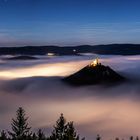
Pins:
x: 110, y: 49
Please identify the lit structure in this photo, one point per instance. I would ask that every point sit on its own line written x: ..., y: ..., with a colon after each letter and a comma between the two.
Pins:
x: 50, y: 54
x: 95, y: 62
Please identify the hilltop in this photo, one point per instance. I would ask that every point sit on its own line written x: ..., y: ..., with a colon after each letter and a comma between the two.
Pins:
x: 94, y: 73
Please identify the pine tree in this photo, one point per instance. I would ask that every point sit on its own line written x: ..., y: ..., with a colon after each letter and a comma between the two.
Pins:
x: 59, y: 129
x: 131, y: 138
x: 70, y: 133
x: 117, y: 138
x: 3, y: 135
x: 34, y: 137
x: 63, y: 130
x: 98, y: 137
x: 137, y: 138
x: 20, y: 129
x: 40, y: 135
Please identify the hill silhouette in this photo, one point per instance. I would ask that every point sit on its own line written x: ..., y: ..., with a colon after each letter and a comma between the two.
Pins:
x: 94, y: 74
x: 114, y: 49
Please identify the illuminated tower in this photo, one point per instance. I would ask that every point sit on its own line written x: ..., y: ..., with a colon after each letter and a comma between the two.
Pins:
x: 95, y: 62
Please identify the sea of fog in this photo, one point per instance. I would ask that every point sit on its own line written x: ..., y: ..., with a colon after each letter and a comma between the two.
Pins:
x: 36, y: 86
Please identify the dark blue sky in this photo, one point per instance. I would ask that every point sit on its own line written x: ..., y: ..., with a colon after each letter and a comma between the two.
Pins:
x: 69, y: 22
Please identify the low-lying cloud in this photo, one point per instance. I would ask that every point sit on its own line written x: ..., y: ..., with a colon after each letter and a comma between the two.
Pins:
x: 37, y: 86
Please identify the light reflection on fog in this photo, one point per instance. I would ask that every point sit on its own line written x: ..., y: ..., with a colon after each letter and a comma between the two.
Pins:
x: 37, y: 86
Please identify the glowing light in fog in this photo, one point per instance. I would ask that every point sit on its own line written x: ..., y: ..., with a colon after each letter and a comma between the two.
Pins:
x: 50, y: 54
x: 95, y: 62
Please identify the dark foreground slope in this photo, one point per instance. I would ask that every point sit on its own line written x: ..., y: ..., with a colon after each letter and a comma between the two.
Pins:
x: 98, y: 74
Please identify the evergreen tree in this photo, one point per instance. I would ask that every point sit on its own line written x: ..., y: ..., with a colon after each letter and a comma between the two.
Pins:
x: 70, y: 133
x: 131, y: 138
x: 59, y: 129
x: 40, y: 135
x: 20, y: 129
x: 137, y: 138
x: 63, y: 130
x: 98, y: 137
x: 117, y: 138
x: 34, y: 137
x: 3, y: 135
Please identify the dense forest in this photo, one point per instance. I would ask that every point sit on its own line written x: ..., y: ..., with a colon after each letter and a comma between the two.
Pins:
x: 62, y: 130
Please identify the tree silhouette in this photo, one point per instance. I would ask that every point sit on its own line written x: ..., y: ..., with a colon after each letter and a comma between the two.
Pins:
x: 20, y: 129
x: 59, y: 129
x: 63, y: 130
x: 131, y: 138
x: 3, y: 135
x: 34, y: 137
x: 137, y: 138
x: 98, y: 137
x: 117, y: 138
x: 70, y: 133
x: 40, y: 135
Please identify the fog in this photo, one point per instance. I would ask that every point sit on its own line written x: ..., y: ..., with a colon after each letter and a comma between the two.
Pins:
x: 112, y: 111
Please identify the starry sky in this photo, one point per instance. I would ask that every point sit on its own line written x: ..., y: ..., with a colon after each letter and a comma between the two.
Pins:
x: 69, y: 22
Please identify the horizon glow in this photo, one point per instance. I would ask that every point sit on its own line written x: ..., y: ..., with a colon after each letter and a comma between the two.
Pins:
x: 65, y: 23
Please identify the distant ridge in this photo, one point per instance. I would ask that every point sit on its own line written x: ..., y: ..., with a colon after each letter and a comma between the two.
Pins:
x: 111, y: 49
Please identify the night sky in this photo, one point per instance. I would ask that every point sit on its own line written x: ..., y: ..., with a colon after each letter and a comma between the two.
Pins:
x: 69, y: 22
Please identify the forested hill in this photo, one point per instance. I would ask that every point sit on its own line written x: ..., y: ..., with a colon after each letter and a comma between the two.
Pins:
x: 114, y: 49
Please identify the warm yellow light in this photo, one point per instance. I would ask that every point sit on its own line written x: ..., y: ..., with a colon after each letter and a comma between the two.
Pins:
x: 50, y: 54
x: 95, y: 62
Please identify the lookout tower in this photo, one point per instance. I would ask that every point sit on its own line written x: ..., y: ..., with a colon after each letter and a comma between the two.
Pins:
x: 95, y: 62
